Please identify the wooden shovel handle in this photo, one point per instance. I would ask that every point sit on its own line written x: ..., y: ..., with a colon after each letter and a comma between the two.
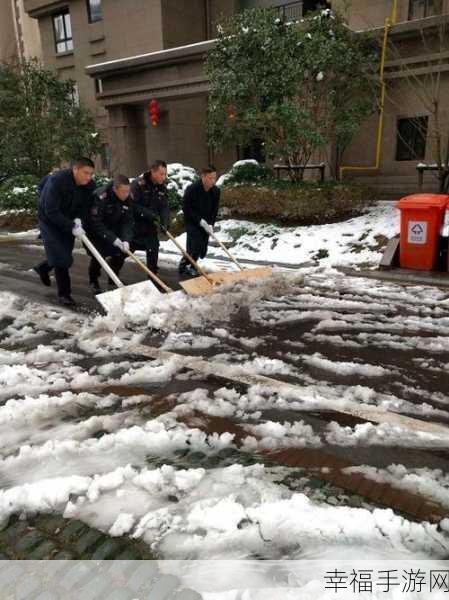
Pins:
x: 150, y: 274
x: 189, y: 258
x: 102, y: 261
x: 227, y: 251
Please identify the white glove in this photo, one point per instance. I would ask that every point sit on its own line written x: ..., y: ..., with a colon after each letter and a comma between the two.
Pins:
x: 207, y: 228
x: 118, y: 244
x: 77, y: 229
x: 125, y: 246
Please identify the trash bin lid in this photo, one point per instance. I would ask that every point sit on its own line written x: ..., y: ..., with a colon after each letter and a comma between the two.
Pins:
x: 424, y: 201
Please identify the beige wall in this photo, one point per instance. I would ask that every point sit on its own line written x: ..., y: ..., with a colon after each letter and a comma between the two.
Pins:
x: 366, y: 14
x: 183, y: 22
x: 409, y: 94
x: 19, y: 34
x: 219, y: 9
x: 8, y: 41
x: 128, y: 28
x: 180, y: 135
x: 29, y: 28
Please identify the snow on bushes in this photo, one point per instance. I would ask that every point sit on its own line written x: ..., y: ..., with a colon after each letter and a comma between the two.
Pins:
x: 19, y: 193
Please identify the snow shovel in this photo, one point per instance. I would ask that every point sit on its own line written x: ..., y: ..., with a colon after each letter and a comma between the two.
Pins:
x: 197, y: 286
x: 224, y: 277
x: 150, y: 273
x: 134, y: 293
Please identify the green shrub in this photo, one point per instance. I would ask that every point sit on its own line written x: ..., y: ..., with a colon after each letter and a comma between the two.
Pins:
x: 174, y: 198
x: 302, y: 204
x: 248, y: 173
x: 178, y: 178
x: 19, y: 192
x: 101, y: 180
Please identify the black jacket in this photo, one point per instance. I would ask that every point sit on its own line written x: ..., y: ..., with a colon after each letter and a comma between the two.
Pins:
x: 61, y: 201
x: 199, y: 204
x: 150, y: 203
x: 110, y: 218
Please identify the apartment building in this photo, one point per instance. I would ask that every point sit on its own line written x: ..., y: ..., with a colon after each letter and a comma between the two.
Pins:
x: 19, y: 34
x: 125, y: 53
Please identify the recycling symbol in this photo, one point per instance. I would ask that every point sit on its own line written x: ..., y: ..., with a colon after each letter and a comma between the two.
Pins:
x: 418, y: 229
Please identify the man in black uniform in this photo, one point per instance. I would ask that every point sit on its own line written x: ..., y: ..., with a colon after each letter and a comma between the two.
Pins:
x: 201, y: 202
x: 111, y: 227
x: 150, y: 205
x: 63, y: 206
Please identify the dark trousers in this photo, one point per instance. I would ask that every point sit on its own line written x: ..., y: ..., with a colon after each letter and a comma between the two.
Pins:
x: 197, y: 243
x: 115, y: 262
x: 152, y: 254
x: 62, y: 277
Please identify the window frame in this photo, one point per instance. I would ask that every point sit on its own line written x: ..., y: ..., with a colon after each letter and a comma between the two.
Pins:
x: 67, y: 40
x: 98, y: 83
x: 90, y: 18
x: 407, y: 150
x: 430, y: 9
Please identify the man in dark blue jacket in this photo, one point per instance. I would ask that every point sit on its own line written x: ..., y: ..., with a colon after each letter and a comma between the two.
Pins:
x: 150, y: 205
x: 110, y: 227
x: 200, y: 207
x: 63, y: 206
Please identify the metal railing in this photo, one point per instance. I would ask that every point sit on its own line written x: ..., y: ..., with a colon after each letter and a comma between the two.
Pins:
x: 290, y: 11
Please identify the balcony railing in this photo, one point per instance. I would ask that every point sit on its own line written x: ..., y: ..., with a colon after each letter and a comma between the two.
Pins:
x: 290, y: 11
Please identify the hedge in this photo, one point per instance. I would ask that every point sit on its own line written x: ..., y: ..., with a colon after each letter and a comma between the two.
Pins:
x: 300, y: 204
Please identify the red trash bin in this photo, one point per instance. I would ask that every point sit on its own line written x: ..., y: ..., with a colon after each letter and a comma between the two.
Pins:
x: 422, y: 216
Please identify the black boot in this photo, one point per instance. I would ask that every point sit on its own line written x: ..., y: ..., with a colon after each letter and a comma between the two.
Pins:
x: 95, y: 287
x: 64, y: 287
x: 66, y: 301
x: 43, y: 270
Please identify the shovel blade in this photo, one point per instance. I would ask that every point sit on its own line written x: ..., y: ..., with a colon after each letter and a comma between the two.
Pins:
x: 224, y: 277
x: 200, y: 286
x: 130, y: 294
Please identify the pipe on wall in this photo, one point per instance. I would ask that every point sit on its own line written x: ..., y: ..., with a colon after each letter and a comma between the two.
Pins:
x: 389, y: 21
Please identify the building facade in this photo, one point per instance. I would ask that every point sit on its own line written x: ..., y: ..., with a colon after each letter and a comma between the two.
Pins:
x: 124, y: 54
x: 19, y: 34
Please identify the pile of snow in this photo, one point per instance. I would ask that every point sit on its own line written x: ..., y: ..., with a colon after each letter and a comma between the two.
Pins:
x: 431, y: 483
x: 174, y: 311
x: 274, y: 436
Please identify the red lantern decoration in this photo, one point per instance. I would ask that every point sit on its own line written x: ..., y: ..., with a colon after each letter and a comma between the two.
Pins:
x: 230, y: 112
x: 155, y: 114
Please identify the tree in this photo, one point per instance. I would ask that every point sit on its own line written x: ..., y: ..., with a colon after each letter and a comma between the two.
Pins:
x: 425, y: 81
x: 41, y: 123
x: 299, y: 86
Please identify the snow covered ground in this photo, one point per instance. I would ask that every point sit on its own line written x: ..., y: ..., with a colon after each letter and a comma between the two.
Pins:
x: 89, y: 430
x: 358, y: 241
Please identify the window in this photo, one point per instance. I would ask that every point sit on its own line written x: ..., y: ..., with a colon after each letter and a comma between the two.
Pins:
x: 63, y: 32
x: 420, y: 9
x: 98, y: 86
x: 411, y: 138
x: 94, y: 11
